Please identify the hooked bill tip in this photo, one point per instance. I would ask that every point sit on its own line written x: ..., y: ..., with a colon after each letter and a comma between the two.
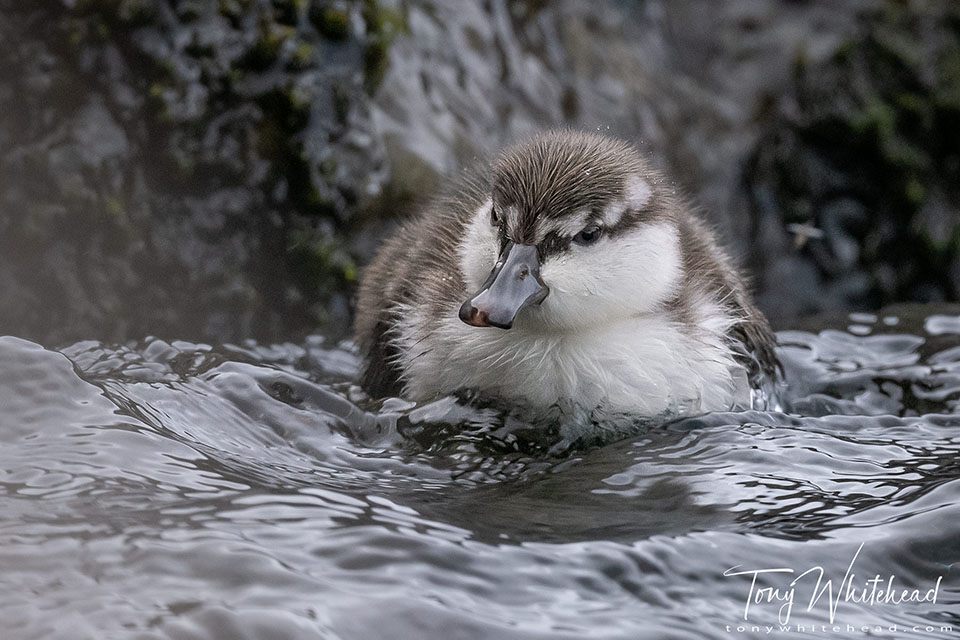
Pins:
x: 477, y: 318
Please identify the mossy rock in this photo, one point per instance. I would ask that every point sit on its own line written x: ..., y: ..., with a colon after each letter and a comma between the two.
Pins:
x: 383, y: 26
x: 881, y: 116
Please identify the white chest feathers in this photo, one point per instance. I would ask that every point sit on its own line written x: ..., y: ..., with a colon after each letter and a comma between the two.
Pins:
x: 644, y: 365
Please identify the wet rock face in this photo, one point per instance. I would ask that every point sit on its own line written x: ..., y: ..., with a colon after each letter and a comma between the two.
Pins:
x: 685, y: 80
x: 866, y: 149
x: 182, y: 170
x: 220, y: 170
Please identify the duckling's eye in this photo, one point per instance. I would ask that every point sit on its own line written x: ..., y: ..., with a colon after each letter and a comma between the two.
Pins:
x: 588, y: 235
x: 494, y: 217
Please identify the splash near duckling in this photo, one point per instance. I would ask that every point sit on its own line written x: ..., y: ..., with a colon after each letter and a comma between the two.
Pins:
x: 568, y: 274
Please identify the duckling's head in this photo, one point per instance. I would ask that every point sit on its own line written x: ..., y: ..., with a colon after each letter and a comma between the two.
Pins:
x: 575, y: 232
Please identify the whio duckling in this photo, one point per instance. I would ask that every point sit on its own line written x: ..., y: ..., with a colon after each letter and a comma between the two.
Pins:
x: 566, y: 276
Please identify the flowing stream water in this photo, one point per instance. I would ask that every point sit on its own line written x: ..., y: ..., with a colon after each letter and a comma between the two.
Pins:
x: 176, y: 490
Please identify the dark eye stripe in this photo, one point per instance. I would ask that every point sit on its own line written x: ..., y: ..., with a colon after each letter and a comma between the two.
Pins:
x: 553, y: 244
x: 503, y: 240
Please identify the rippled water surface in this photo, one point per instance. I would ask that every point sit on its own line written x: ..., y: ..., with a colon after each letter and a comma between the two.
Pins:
x: 175, y: 490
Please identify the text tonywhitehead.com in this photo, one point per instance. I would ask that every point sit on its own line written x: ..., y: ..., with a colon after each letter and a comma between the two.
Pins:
x: 837, y: 628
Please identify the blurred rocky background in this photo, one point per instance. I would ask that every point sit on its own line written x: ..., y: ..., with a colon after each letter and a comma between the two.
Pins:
x: 220, y: 169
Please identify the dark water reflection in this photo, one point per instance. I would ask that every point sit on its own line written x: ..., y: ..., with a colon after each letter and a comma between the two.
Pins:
x: 174, y: 490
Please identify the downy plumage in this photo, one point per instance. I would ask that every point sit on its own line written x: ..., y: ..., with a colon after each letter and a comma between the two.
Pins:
x: 568, y: 276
